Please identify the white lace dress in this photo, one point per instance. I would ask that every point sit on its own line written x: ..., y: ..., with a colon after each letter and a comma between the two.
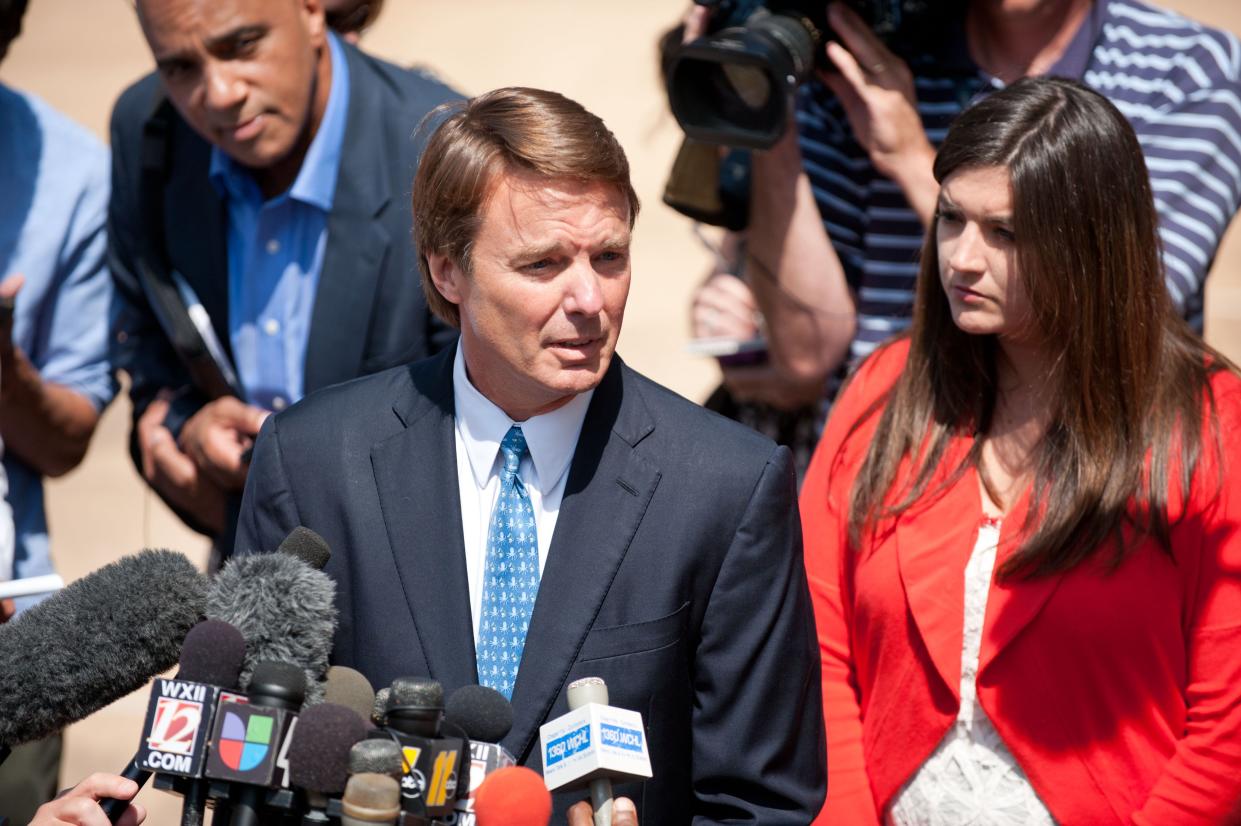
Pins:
x: 971, y: 778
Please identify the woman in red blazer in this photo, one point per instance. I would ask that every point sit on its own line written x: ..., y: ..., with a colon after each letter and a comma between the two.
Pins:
x: 1023, y: 524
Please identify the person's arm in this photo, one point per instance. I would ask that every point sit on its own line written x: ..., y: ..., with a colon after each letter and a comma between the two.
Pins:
x: 1193, y: 152
x: 58, y: 379
x: 758, y: 750
x: 876, y: 89
x: 796, y: 276
x: 80, y: 805
x: 1201, y: 783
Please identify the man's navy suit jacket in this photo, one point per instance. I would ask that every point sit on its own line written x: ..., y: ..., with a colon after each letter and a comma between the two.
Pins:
x: 675, y: 573
x: 369, y: 312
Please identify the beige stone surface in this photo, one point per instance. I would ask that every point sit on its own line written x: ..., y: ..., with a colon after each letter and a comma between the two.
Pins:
x: 79, y: 54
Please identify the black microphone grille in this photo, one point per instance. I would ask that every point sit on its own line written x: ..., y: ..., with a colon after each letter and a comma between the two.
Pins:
x: 379, y: 711
x: 416, y: 692
x: 95, y: 641
x: 307, y: 546
x: 322, y: 741
x: 280, y: 681
x: 482, y: 712
x: 213, y: 653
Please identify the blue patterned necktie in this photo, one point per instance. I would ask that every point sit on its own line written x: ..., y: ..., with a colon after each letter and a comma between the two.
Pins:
x: 511, y: 574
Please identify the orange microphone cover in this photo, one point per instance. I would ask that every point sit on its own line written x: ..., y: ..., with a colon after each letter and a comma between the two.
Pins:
x: 513, y: 796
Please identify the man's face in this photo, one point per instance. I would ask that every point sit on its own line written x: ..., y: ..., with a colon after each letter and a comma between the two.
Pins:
x: 542, y: 306
x: 241, y: 72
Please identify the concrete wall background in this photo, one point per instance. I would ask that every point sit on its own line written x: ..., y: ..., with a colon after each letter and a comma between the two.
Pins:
x: 79, y: 54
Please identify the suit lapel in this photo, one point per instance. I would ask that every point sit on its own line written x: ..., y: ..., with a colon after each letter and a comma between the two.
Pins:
x: 356, y: 244
x: 195, y: 229
x: 606, y: 496
x: 415, y: 472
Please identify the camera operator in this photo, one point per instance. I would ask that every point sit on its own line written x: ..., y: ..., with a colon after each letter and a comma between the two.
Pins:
x: 866, y: 133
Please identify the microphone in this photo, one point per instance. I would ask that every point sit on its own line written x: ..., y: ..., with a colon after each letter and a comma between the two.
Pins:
x: 250, y: 740
x: 180, y: 712
x: 592, y: 745
x: 434, y: 762
x: 348, y: 687
x: 319, y: 755
x: 307, y: 546
x: 379, y: 711
x: 486, y: 718
x: 93, y: 642
x: 284, y: 608
x: 377, y: 757
x: 370, y: 798
x: 513, y: 796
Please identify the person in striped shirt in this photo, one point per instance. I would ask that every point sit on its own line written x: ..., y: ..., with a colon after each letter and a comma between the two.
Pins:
x: 839, y: 208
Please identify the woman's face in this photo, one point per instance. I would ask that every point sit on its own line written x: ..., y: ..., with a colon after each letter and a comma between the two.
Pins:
x: 978, y: 255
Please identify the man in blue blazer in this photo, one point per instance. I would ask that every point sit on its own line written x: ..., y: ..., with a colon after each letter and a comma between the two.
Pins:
x: 261, y: 177
x: 523, y: 509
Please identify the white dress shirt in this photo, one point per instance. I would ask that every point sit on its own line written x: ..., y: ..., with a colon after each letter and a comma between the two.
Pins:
x: 480, y: 427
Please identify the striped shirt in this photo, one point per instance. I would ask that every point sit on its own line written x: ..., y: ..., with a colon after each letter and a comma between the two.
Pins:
x: 1177, y: 82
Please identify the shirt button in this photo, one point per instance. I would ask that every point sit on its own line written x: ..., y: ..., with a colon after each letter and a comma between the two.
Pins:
x: 273, y: 246
x: 278, y: 403
x: 271, y: 326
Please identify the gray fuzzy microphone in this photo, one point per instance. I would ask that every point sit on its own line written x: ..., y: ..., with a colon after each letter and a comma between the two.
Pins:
x: 285, y: 609
x: 97, y: 640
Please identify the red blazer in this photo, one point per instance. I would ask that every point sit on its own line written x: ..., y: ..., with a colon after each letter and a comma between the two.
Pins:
x: 1118, y: 693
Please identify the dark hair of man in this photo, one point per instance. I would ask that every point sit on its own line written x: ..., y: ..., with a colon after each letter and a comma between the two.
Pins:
x: 1129, y: 378
x: 11, y: 12
x: 511, y: 130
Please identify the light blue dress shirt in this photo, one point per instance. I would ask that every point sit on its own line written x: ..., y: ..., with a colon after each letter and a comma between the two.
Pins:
x: 275, y: 253
x: 54, y: 180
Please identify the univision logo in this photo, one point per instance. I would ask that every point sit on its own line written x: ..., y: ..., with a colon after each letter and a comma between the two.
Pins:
x: 243, y: 743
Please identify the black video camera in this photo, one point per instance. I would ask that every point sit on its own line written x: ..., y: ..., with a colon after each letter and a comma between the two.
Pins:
x: 734, y: 85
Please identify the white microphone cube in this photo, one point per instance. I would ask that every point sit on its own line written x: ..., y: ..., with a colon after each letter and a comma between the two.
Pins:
x: 591, y: 742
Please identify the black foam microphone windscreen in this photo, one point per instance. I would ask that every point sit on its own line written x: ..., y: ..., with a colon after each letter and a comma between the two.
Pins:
x: 482, y: 712
x: 285, y: 609
x: 348, y: 687
x: 307, y: 546
x: 319, y: 753
x: 213, y: 653
x: 95, y: 641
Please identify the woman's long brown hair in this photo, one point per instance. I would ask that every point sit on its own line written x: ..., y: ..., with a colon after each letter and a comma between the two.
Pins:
x: 1129, y: 376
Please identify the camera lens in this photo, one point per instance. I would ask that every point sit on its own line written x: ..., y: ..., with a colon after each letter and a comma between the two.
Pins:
x: 735, y: 87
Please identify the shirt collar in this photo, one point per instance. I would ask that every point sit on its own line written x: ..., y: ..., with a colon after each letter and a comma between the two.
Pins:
x: 316, y: 179
x: 551, y: 437
x: 1076, y: 56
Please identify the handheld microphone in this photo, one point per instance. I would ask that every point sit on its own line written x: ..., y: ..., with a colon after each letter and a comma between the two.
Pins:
x: 250, y: 740
x: 486, y: 718
x: 377, y: 757
x: 348, y: 687
x: 379, y: 712
x: 180, y: 712
x: 307, y: 546
x: 513, y: 796
x: 95, y: 641
x: 592, y: 745
x: 319, y: 755
x: 434, y: 761
x: 370, y: 798
x: 284, y: 608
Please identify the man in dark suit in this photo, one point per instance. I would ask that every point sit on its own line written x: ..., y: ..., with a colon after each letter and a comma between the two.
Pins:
x: 524, y: 510
x: 260, y: 176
